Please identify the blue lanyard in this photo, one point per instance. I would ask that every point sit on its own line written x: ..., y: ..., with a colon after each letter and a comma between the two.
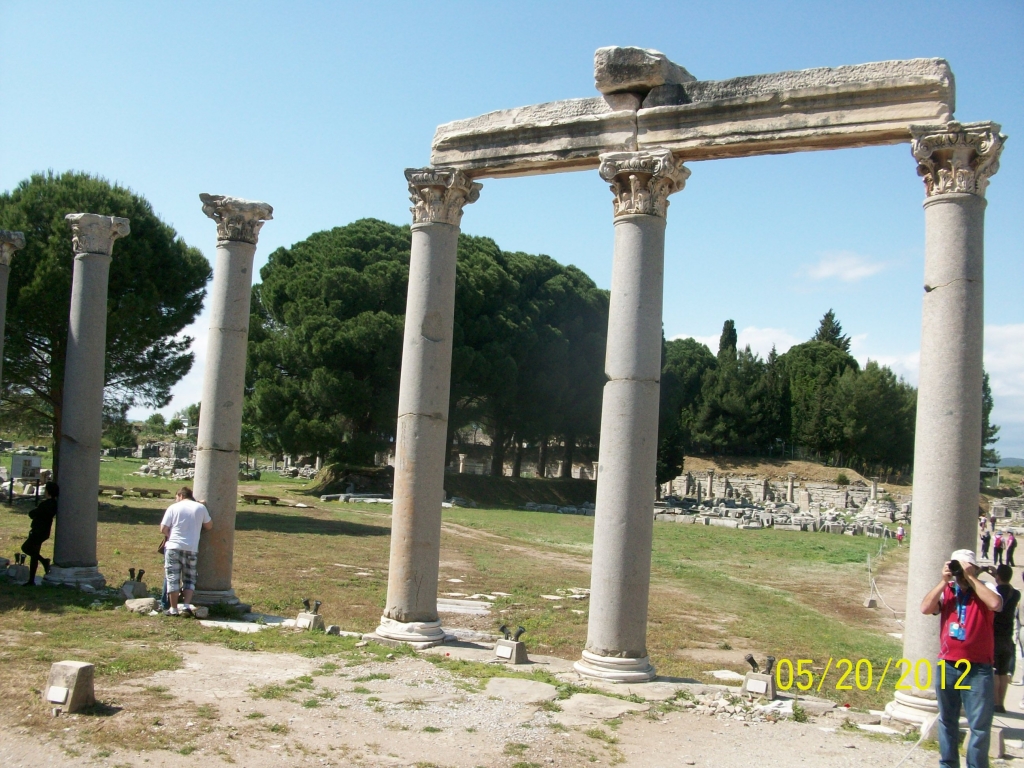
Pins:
x: 961, y: 606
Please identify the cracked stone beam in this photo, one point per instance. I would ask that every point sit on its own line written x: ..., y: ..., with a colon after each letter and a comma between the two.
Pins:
x: 956, y: 162
x: 220, y: 419
x: 648, y: 102
x: 410, y: 614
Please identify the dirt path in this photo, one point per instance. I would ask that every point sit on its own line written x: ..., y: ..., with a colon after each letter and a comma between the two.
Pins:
x: 260, y: 709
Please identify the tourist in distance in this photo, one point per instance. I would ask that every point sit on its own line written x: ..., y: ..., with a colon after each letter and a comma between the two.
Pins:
x: 986, y: 542
x: 1010, y: 544
x: 39, y: 531
x: 966, y: 606
x: 1005, y: 649
x: 997, y: 548
x: 181, y: 526
x: 901, y: 532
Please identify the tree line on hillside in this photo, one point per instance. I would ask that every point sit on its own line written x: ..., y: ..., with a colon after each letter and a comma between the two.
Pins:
x: 326, y: 345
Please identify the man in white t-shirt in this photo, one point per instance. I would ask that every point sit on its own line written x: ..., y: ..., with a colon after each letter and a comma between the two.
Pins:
x: 183, y: 521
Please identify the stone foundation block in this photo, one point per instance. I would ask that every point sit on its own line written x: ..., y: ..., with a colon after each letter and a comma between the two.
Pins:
x: 70, y: 685
x: 310, y: 621
x: 134, y: 590
x: 511, y: 651
x: 18, y: 573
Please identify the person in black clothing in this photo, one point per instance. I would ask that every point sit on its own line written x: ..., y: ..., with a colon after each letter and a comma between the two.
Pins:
x: 986, y: 542
x: 1003, y: 625
x: 42, y: 523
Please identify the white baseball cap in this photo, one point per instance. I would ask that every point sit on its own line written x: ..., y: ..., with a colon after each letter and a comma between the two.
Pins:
x: 964, y: 556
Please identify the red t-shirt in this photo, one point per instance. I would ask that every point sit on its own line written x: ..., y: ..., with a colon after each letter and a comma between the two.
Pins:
x: 978, y: 647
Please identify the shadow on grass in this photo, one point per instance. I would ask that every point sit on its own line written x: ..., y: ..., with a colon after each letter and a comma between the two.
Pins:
x: 42, y: 598
x: 252, y: 520
x: 99, y: 709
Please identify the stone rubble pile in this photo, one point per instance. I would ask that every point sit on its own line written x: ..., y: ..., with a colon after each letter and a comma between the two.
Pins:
x: 586, y: 508
x: 168, y: 467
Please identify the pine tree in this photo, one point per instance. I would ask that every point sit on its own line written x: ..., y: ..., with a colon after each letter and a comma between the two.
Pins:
x: 989, y: 456
x: 831, y: 332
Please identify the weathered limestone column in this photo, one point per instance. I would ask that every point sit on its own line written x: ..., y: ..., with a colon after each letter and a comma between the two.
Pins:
x: 956, y: 161
x: 438, y: 196
x: 790, y: 494
x: 74, y: 541
x: 616, y: 647
x: 218, y: 443
x: 9, y: 243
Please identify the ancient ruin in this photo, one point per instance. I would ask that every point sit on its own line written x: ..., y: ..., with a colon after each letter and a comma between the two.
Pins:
x: 650, y: 117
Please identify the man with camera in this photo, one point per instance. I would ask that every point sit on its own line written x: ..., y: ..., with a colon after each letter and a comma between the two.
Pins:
x: 966, y: 607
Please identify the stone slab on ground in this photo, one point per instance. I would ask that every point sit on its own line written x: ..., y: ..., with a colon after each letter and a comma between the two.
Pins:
x: 590, y: 708
x: 485, y: 653
x: 142, y: 605
x: 519, y: 690
x: 469, y: 607
x: 652, y: 691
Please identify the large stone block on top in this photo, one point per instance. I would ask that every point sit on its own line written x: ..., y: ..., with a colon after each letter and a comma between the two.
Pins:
x: 70, y: 685
x: 626, y: 69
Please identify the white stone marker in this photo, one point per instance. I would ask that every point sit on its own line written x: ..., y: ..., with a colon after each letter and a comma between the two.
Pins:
x: 9, y: 243
x: 70, y: 685
x: 616, y: 647
x: 74, y: 541
x: 956, y: 161
x: 220, y: 418
x: 438, y: 196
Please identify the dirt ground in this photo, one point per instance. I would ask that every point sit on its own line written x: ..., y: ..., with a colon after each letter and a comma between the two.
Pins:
x: 228, y: 707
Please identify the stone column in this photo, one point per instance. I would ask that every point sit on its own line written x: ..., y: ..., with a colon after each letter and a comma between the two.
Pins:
x: 218, y: 443
x: 790, y: 495
x: 9, y: 243
x: 956, y: 161
x: 74, y: 541
x: 616, y: 647
x: 410, y: 615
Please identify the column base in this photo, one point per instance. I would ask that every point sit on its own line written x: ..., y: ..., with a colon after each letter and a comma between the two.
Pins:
x: 915, y: 710
x: 615, y: 669
x: 220, y: 597
x: 418, y: 634
x: 75, y: 576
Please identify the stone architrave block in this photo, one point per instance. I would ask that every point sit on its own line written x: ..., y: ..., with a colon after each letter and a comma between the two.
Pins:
x: 757, y: 684
x: 70, y: 685
x: 309, y: 621
x: 134, y: 590
x: 511, y: 651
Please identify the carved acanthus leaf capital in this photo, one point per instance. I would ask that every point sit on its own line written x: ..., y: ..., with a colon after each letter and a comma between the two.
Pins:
x: 957, y: 157
x: 439, y: 194
x: 237, y: 219
x: 9, y: 243
x: 642, y: 181
x: 94, y: 233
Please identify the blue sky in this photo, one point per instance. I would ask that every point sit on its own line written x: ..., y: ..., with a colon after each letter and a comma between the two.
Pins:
x: 317, y: 108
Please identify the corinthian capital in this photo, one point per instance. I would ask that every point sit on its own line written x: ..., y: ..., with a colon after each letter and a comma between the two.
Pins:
x: 93, y: 233
x: 439, y: 194
x: 9, y: 243
x: 237, y: 219
x: 642, y: 181
x: 957, y: 157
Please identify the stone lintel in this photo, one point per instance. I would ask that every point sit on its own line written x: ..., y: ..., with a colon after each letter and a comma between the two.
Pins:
x: 237, y: 219
x: 9, y: 243
x: 825, y: 108
x: 95, y: 233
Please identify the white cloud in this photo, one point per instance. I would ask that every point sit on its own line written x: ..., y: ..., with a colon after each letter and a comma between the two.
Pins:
x: 1004, y: 361
x: 843, y: 265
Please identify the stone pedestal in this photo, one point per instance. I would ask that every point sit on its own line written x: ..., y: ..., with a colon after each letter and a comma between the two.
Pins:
x: 410, y: 615
x: 220, y: 418
x: 616, y: 646
x: 70, y: 686
x: 309, y: 621
x: 9, y: 243
x: 956, y: 161
x: 758, y: 684
x: 511, y: 651
x: 74, y: 541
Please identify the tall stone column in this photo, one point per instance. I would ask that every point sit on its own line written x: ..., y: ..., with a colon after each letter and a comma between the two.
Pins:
x: 956, y: 161
x: 438, y: 196
x: 9, y: 243
x: 220, y: 419
x: 616, y: 647
x: 74, y: 541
